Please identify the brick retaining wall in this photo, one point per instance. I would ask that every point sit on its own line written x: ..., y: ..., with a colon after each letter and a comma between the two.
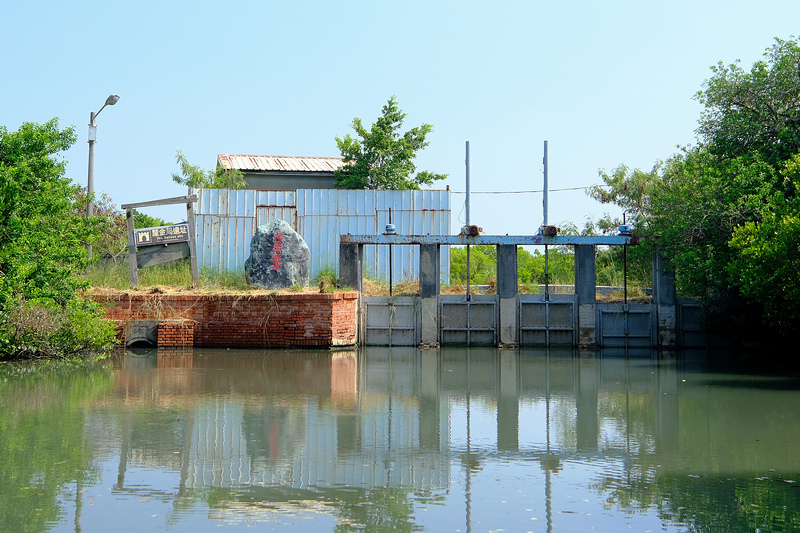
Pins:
x: 240, y: 321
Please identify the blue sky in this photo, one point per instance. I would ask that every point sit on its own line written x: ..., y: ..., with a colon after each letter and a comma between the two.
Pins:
x: 604, y: 82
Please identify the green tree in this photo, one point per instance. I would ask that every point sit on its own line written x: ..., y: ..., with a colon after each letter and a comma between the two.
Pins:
x: 755, y: 111
x: 382, y: 157
x: 194, y: 176
x: 766, y: 260
x: 42, y: 248
x: 560, y: 266
x: 530, y: 266
x: 725, y: 211
x: 482, y: 264
x: 631, y: 189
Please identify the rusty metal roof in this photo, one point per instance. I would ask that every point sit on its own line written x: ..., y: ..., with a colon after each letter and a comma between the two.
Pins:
x: 278, y: 163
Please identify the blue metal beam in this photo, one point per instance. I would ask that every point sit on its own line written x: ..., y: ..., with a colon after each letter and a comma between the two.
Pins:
x: 461, y: 240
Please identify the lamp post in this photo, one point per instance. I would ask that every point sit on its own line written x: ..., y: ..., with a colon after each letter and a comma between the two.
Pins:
x: 111, y: 100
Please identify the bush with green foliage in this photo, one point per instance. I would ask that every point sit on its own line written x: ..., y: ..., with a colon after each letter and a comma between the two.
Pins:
x: 327, y: 279
x: 42, y: 247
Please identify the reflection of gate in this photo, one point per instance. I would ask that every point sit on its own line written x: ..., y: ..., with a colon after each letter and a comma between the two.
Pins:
x: 626, y: 325
x: 391, y: 321
x: 470, y: 322
x: 546, y: 323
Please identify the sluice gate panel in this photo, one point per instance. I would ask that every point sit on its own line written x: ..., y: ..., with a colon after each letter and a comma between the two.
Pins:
x: 469, y: 322
x: 548, y: 322
x: 623, y: 326
x: 391, y: 321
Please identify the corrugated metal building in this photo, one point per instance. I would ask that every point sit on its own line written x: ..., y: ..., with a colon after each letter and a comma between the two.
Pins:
x: 283, y: 173
x: 227, y: 220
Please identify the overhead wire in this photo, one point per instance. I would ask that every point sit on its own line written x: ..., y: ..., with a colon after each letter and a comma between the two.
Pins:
x: 520, y: 192
x: 527, y: 192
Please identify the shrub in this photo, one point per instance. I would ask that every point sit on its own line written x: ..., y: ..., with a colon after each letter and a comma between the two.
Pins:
x: 43, y: 238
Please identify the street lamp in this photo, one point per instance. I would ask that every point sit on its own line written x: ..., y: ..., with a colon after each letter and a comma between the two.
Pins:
x: 111, y: 100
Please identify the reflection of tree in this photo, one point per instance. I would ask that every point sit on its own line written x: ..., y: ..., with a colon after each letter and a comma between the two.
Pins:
x: 637, y: 489
x: 702, y: 470
x: 42, y: 434
x: 710, y: 503
x: 722, y: 504
x: 376, y: 509
x: 632, y: 415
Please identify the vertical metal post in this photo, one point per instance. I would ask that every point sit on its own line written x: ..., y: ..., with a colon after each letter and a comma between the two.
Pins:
x: 111, y: 100
x: 467, y: 210
x: 545, y: 190
x: 90, y: 184
x: 467, y: 201
x: 192, y: 243
x: 134, y: 268
x: 390, y: 257
x: 625, y: 267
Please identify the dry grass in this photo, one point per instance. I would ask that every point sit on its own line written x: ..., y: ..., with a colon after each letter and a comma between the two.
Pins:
x: 411, y: 288
x: 175, y: 278
x: 636, y: 295
x: 473, y: 289
x: 371, y: 288
x: 401, y: 288
x: 163, y: 289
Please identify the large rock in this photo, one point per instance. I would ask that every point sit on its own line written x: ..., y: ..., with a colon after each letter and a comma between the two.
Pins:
x: 279, y: 257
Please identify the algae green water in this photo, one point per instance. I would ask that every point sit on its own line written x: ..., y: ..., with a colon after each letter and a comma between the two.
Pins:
x: 383, y: 439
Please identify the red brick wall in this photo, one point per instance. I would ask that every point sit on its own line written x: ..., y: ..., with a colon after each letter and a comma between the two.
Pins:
x: 282, y: 320
x: 175, y: 333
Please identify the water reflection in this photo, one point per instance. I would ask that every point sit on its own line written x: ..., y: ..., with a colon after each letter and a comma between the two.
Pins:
x: 455, y: 439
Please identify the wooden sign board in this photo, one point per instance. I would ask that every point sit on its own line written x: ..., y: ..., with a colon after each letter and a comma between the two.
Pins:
x: 162, y: 235
x: 177, y: 241
x: 156, y: 255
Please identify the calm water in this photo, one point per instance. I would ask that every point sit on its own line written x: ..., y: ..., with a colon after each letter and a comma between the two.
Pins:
x: 397, y: 439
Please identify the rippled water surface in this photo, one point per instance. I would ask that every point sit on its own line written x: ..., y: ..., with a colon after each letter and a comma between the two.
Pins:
x: 398, y: 439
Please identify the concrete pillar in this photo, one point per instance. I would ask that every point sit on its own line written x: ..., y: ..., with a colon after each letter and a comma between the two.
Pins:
x: 665, y: 301
x: 429, y: 285
x: 585, y: 290
x: 350, y: 273
x: 507, y: 285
